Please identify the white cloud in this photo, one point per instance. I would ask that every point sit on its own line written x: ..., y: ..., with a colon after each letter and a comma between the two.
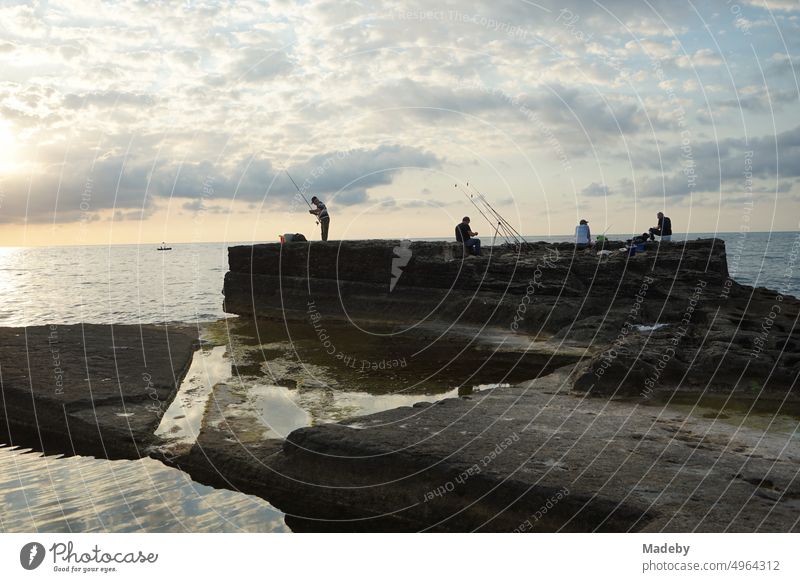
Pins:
x: 179, y: 91
x: 705, y: 57
x: 783, y: 5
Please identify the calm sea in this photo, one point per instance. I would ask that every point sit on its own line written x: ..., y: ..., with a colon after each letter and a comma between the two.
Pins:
x: 138, y: 284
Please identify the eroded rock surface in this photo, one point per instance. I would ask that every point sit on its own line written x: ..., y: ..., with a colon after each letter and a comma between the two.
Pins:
x: 531, y: 457
x: 546, y: 455
x: 89, y: 389
x: 669, y: 318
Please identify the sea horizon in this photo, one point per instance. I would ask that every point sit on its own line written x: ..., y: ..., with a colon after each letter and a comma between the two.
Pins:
x: 677, y: 237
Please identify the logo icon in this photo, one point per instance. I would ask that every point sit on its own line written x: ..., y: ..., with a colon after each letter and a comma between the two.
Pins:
x: 402, y: 255
x: 31, y: 555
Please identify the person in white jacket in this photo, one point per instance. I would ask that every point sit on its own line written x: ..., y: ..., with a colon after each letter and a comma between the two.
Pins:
x: 583, y: 236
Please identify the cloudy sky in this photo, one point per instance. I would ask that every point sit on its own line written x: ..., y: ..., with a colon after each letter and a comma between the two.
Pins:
x: 137, y: 121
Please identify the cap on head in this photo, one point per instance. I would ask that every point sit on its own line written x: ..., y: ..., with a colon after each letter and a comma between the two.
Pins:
x: 584, y: 221
x: 314, y: 199
x: 660, y: 214
x: 465, y: 219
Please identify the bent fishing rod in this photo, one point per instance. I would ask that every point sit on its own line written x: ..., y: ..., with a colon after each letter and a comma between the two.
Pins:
x: 486, y: 218
x: 494, y: 213
x: 509, y: 233
x: 517, y: 236
x: 299, y: 191
x: 504, y: 233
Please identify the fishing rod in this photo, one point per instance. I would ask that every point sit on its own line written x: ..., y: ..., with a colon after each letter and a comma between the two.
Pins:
x: 516, y: 235
x: 496, y: 214
x: 507, y: 233
x: 299, y: 191
x: 486, y: 218
x: 491, y: 208
x: 507, y: 230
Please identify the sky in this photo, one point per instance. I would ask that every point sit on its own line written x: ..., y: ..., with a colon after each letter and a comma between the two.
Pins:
x: 138, y: 122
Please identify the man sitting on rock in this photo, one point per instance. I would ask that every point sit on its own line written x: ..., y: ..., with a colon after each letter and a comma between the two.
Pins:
x: 664, y: 228
x: 465, y: 235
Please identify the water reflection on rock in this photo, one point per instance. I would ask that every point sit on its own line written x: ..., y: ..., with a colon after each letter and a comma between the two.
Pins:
x: 263, y: 382
x: 84, y: 494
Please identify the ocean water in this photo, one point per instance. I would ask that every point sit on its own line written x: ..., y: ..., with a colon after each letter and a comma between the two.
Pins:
x: 132, y: 284
x: 114, y: 284
x: 83, y: 494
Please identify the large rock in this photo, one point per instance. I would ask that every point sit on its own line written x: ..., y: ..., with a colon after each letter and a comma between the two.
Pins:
x: 540, y: 456
x: 744, y: 345
x: 531, y: 457
x: 713, y: 333
x: 546, y: 286
x: 89, y: 389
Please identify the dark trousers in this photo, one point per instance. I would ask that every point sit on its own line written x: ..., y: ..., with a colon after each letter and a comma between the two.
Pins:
x: 324, y: 224
x: 473, y: 244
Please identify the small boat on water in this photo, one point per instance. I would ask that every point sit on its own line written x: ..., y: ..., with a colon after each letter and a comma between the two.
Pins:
x: 164, y: 247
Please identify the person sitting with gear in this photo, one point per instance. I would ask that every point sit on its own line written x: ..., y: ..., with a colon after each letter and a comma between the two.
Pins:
x: 465, y: 236
x: 664, y: 228
x: 583, y: 236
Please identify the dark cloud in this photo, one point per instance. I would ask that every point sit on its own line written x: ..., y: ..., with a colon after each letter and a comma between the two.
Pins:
x: 782, y: 65
x: 131, y: 187
x: 75, y: 194
x: 361, y: 168
x: 759, y: 102
x: 256, y: 65
x: 107, y: 99
x: 142, y: 214
x: 201, y: 206
x: 396, y: 205
x: 351, y: 197
x: 567, y: 115
x: 711, y: 166
x: 595, y: 189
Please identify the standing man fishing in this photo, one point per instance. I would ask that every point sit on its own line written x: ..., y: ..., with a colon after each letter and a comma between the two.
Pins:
x: 321, y: 212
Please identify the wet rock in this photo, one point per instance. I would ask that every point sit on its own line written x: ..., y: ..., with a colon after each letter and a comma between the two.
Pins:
x: 572, y: 463
x: 738, y: 344
x: 529, y: 457
x: 286, y: 382
x: 90, y: 389
x: 312, y: 383
x: 718, y: 333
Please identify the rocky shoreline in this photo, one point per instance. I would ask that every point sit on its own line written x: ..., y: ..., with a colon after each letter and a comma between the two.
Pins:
x: 579, y: 447
x: 534, y: 457
x: 668, y: 319
x: 90, y: 389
